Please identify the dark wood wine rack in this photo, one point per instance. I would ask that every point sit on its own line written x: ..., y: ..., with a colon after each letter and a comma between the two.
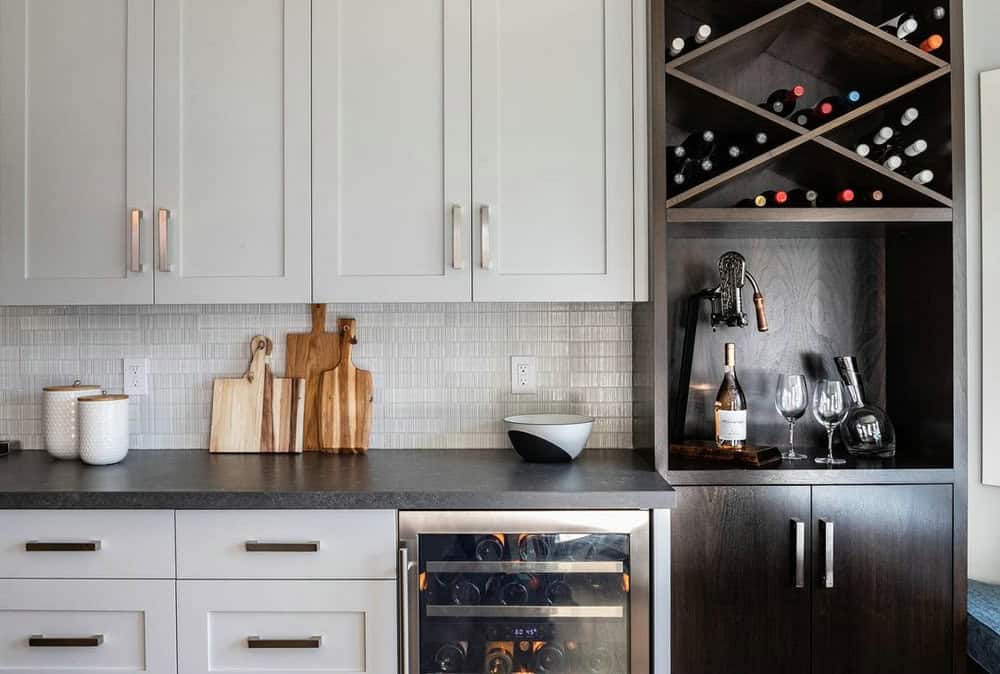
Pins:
x: 881, y: 282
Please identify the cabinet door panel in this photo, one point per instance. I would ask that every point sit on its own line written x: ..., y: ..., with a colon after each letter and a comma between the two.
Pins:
x: 889, y: 609
x: 735, y: 605
x: 232, y: 150
x: 76, y: 150
x: 552, y: 149
x: 391, y: 150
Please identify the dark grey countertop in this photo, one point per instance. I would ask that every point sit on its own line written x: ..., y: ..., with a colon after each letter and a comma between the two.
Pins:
x: 423, y: 479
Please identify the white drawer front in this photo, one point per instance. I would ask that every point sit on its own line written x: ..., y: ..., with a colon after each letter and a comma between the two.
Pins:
x: 355, y: 622
x: 349, y: 544
x: 133, y: 621
x: 128, y: 543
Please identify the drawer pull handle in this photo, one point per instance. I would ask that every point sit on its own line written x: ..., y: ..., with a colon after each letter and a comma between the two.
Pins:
x: 308, y: 642
x: 264, y: 546
x: 42, y: 641
x: 62, y: 546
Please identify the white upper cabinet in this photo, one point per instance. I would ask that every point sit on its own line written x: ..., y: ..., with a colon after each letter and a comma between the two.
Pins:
x: 391, y: 151
x: 553, y: 160
x: 76, y: 151
x: 232, y: 151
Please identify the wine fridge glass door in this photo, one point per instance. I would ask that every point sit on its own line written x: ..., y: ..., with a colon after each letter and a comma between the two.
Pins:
x: 540, y: 592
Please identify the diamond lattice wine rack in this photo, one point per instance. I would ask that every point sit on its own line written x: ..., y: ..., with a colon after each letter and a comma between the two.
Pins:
x: 870, y: 276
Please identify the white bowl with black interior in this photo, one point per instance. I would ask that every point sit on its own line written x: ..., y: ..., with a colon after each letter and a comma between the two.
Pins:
x: 548, y: 438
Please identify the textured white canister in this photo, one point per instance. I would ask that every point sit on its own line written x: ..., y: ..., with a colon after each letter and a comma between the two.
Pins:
x: 103, y: 429
x: 59, y: 418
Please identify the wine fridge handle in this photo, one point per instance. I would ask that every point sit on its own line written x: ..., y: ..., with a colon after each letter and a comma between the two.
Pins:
x: 404, y: 607
x: 799, y: 536
x: 826, y: 527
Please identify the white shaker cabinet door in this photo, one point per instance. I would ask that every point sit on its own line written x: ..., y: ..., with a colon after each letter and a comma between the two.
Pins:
x: 232, y: 151
x: 76, y: 151
x: 552, y: 150
x: 391, y: 151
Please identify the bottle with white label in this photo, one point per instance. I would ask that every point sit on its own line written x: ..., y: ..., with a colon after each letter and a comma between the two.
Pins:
x: 730, y: 407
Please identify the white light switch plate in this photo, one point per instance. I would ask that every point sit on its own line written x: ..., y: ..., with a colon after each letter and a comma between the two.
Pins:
x: 135, y: 374
x: 523, y: 375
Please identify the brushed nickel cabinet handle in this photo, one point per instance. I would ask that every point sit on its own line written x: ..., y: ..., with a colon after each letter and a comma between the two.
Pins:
x: 457, y: 254
x: 265, y: 546
x: 404, y: 603
x: 799, y: 536
x: 307, y: 642
x: 62, y: 546
x: 42, y: 641
x: 826, y: 528
x: 484, y: 235
x: 134, y: 242
x: 163, y: 222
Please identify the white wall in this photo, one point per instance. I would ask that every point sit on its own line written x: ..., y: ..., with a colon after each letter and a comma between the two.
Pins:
x: 982, y: 52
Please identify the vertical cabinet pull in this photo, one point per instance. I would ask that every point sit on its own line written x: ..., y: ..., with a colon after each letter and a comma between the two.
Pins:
x: 163, y: 220
x: 134, y: 242
x: 799, y: 539
x: 484, y: 236
x: 404, y: 604
x: 457, y: 254
x: 826, y: 529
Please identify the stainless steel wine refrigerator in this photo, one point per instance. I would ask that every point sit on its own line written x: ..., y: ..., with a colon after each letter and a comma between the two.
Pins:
x: 543, y: 592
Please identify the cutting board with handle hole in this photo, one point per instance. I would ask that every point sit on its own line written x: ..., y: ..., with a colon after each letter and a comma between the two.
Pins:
x: 257, y: 412
x: 309, y: 355
x: 346, y: 395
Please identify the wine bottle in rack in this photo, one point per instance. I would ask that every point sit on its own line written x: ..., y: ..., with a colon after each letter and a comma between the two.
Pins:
x: 681, y: 176
x: 699, y: 144
x: 844, y: 197
x: 465, y: 592
x: 782, y: 102
x: 675, y: 48
x: 933, y: 22
x: 902, y: 25
x: 730, y: 155
x: 916, y: 148
x: 550, y: 657
x: 813, y: 117
x: 559, y: 593
x: 489, y: 548
x: 803, y: 198
x: 758, y: 201
x: 871, y: 197
x: 932, y: 43
x: 450, y: 657
x: 908, y: 117
x: 863, y: 150
x: 705, y: 167
x: 730, y: 407
x: 842, y: 104
x: 776, y: 197
x: 923, y: 177
x: 678, y: 45
x: 893, y: 162
x: 881, y: 137
x: 594, y: 660
x: 499, y: 658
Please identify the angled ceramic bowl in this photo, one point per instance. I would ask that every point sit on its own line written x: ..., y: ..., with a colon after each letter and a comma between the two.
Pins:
x: 548, y: 438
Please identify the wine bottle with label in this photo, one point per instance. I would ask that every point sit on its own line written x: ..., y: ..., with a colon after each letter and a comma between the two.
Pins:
x: 730, y: 407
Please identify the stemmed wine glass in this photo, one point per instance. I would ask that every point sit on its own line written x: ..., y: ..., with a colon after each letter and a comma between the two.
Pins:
x: 791, y: 400
x: 830, y: 406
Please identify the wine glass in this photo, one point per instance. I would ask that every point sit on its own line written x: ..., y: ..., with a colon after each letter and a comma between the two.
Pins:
x: 791, y: 399
x: 830, y: 406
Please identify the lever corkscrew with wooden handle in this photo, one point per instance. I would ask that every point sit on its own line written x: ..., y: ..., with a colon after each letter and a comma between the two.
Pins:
x: 727, y: 297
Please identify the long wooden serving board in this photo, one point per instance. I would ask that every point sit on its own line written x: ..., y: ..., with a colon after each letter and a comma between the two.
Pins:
x: 309, y: 355
x: 346, y: 395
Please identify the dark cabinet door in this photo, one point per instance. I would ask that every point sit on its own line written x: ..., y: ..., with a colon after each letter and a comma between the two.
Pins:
x: 736, y: 606
x: 890, y: 605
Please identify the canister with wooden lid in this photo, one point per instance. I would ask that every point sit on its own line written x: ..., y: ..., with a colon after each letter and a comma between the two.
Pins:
x: 59, y: 418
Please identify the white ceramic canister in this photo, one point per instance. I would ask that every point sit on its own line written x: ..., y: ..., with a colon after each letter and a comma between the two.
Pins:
x: 59, y: 418
x: 103, y: 429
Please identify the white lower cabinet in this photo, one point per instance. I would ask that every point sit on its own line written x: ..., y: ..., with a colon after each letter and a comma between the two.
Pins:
x: 288, y: 626
x: 87, y: 626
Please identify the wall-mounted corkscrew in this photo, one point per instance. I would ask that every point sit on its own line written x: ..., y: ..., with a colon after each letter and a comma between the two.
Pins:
x: 727, y: 311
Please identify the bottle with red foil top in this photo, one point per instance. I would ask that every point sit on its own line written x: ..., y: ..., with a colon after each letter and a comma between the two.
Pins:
x: 782, y: 102
x: 844, y: 197
x: 776, y: 197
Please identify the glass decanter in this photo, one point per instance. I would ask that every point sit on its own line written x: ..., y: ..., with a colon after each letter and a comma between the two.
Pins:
x: 867, y: 431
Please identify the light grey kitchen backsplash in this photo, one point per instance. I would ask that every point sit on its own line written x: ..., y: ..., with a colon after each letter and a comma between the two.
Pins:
x: 442, y: 371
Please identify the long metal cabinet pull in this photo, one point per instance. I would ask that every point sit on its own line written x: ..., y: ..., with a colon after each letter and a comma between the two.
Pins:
x: 799, y: 534
x: 62, y: 546
x: 42, y: 641
x: 404, y: 604
x: 457, y: 254
x: 265, y: 546
x: 484, y: 236
x: 307, y: 642
x: 163, y: 220
x: 827, y: 530
x: 134, y: 241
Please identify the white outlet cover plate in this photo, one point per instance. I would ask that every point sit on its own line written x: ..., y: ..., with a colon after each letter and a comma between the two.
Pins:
x: 134, y: 376
x: 523, y: 375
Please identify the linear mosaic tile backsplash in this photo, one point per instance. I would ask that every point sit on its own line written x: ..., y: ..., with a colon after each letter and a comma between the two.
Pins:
x: 442, y: 371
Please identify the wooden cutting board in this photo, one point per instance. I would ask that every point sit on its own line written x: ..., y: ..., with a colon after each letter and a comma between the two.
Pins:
x: 257, y: 412
x: 346, y: 395
x: 309, y: 355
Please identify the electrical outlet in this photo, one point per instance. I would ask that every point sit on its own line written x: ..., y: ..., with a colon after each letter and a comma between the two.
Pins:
x: 135, y: 370
x: 523, y: 375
